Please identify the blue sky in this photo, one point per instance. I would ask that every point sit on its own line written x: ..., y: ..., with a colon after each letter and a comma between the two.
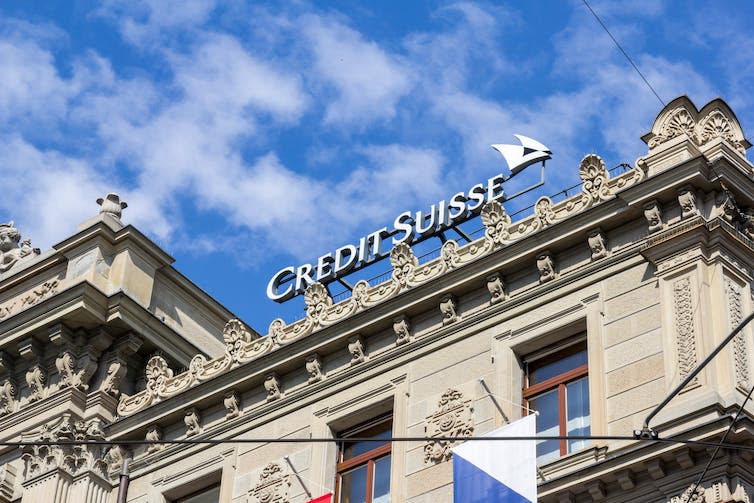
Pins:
x: 249, y: 136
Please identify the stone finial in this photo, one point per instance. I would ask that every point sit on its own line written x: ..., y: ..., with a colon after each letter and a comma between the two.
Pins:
x: 653, y: 214
x: 12, y: 249
x: 112, y: 205
x: 597, y: 243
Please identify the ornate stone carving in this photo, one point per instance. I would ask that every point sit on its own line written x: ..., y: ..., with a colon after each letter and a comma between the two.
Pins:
x: 496, y: 287
x: 317, y: 300
x: 546, y: 266
x: 113, y: 376
x: 449, y: 309
x: 114, y: 459
x: 273, y: 485
x: 747, y: 222
x: 357, y: 349
x: 272, y: 385
x: 157, y: 372
x: 11, y: 252
x: 687, y: 201
x: 7, y: 397
x: 232, y: 404
x: 192, y: 420
x: 36, y: 377
x: 734, y: 300
x: 692, y: 494
x: 112, y: 205
x: 235, y: 336
x: 496, y: 222
x: 716, y: 125
x: 676, y: 123
x: 73, y: 459
x: 75, y: 372
x: 36, y: 295
x: 402, y: 329
x: 543, y: 212
x: 154, y: 434
x: 653, y: 214
x: 684, y: 325
x: 404, y: 264
x: 594, y: 176
x: 453, y: 418
x: 597, y: 243
x: 726, y: 207
x: 314, y: 368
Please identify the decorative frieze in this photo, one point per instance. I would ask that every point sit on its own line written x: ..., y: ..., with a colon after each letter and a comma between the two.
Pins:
x: 733, y: 297
x: 192, y: 420
x: 314, y: 368
x: 449, y: 309
x: 653, y: 214
x: 402, y: 329
x: 453, y: 418
x: 232, y: 404
x: 30, y: 298
x: 272, y: 486
x: 496, y: 287
x: 273, y: 387
x: 546, y: 267
x: 597, y: 243
x: 357, y: 350
x: 684, y: 328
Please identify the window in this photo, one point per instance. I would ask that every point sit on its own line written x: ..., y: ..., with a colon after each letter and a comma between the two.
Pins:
x: 557, y: 386
x: 364, y: 465
x: 210, y: 495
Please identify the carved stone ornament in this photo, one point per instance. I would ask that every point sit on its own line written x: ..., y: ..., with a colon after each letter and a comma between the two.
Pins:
x: 734, y: 301
x: 114, y: 459
x: 232, y: 404
x: 314, y: 368
x: 496, y: 287
x: 193, y: 422
x: 597, y: 244
x: 690, y: 495
x: 272, y: 486
x: 546, y: 266
x: 357, y: 349
x: 317, y: 300
x: 653, y: 214
x: 272, y: 386
x: 154, y: 434
x: 404, y: 264
x: 7, y: 397
x: 747, y: 222
x: 112, y: 205
x: 36, y: 377
x: 113, y: 376
x: 684, y: 325
x: 453, y: 418
x: 11, y: 252
x: 496, y: 222
x: 35, y: 296
x: 75, y: 372
x: 73, y: 459
x: 157, y: 372
x: 235, y: 335
x: 594, y: 176
x: 449, y: 309
x: 402, y: 329
x: 726, y: 207
x: 687, y: 201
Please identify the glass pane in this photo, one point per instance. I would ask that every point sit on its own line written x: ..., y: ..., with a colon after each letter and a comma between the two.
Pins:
x: 353, y: 485
x: 547, y: 424
x: 381, y: 493
x: 211, y: 495
x: 577, y: 412
x: 380, y: 432
x: 544, y: 372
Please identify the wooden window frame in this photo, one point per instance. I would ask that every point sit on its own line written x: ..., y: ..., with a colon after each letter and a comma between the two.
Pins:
x: 367, y: 459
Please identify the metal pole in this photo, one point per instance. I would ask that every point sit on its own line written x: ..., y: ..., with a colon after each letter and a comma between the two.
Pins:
x: 123, y: 486
x: 648, y: 433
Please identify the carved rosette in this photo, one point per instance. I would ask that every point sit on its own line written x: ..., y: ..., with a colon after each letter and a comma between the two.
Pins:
x: 684, y: 326
x: 496, y: 222
x: 546, y: 267
x: 272, y: 486
x: 317, y: 301
x: 232, y: 404
x: 734, y: 300
x: 594, y: 176
x: 314, y: 368
x: 653, y: 214
x: 597, y: 244
x: 404, y: 264
x: 402, y: 329
x: 273, y: 387
x: 449, y: 309
x: 357, y: 349
x: 496, y: 287
x: 453, y: 418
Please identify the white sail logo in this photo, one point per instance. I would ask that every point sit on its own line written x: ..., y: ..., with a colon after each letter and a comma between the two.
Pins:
x: 519, y: 157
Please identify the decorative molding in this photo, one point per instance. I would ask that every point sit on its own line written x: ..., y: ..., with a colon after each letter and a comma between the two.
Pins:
x: 30, y: 298
x: 232, y: 404
x: 734, y: 300
x: 273, y: 485
x: 594, y: 176
x: 546, y: 266
x: 597, y: 243
x: 496, y: 222
x: 684, y: 327
x: 357, y: 349
x: 314, y: 368
x: 113, y: 376
x: 453, y: 418
x: 192, y: 420
x: 402, y: 329
x: 449, y: 309
x: 653, y: 214
x: 496, y: 287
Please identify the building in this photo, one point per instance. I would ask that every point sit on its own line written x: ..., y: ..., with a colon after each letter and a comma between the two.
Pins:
x: 589, y: 310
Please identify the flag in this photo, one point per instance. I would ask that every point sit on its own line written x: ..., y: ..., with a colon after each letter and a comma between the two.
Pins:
x: 498, y: 471
x: 325, y: 498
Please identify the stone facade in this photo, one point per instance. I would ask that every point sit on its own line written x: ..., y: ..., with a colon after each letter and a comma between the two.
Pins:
x: 103, y: 340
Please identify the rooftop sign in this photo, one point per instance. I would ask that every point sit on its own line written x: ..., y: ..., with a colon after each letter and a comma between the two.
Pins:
x: 410, y: 227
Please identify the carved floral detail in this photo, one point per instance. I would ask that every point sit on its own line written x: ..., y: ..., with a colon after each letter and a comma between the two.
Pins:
x: 235, y: 336
x: 716, y: 125
x: 684, y: 325
x: 543, y: 211
x: 157, y: 372
x: 453, y: 418
x: 496, y: 287
x: 317, y: 300
x: 314, y: 368
x: 402, y: 329
x: 734, y: 301
x: 678, y: 122
x: 496, y: 222
x: 594, y: 176
x: 36, y: 377
x: 75, y: 372
x: 404, y: 264
x: 356, y: 348
x: 449, y: 309
x: 273, y: 485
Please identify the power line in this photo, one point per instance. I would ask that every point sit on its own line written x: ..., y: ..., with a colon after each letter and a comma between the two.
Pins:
x: 624, y: 52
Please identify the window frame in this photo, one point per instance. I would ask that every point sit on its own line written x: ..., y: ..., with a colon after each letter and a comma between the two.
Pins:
x: 368, y: 458
x: 557, y: 382
x: 199, y: 492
